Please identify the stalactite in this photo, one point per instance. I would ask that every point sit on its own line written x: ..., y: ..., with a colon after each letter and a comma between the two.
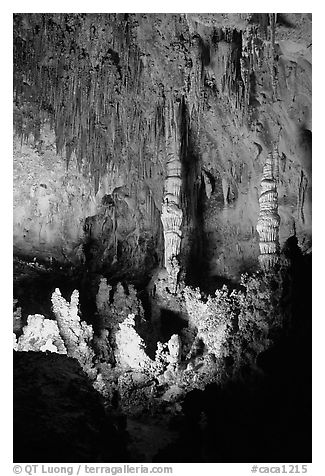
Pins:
x: 269, y: 220
x: 91, y: 84
x: 195, y: 79
x: 225, y: 191
x: 273, y: 19
x: 232, y: 81
x: 301, y: 196
x: 246, y: 64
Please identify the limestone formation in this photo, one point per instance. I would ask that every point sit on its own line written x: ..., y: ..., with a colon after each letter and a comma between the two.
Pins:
x: 212, y: 319
x: 174, y: 348
x: 130, y: 352
x: 171, y: 213
x: 269, y: 220
x: 76, y: 334
x: 102, y: 298
x: 65, y: 335
x: 226, y: 78
x: 139, y: 150
x: 40, y: 335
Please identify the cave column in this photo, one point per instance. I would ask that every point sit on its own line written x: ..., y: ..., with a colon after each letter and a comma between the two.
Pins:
x: 171, y: 213
x: 269, y: 220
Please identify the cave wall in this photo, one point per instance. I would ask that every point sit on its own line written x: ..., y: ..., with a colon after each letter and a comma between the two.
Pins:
x: 262, y: 105
x: 58, y: 215
x: 111, y: 87
x: 51, y: 201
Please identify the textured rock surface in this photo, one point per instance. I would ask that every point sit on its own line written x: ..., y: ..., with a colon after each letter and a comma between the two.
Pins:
x: 131, y: 348
x: 51, y: 202
x: 269, y: 221
x: 76, y: 334
x: 41, y: 335
x: 58, y: 215
x: 236, y: 86
x: 171, y: 211
x: 169, y: 151
x: 232, y: 331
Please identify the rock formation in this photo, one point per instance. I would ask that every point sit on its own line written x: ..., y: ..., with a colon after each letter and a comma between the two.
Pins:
x: 244, y: 82
x: 174, y: 347
x: 76, y: 334
x: 269, y: 220
x: 155, y: 156
x: 171, y: 212
x: 130, y: 351
x: 213, y: 320
x: 103, y: 299
x: 41, y: 335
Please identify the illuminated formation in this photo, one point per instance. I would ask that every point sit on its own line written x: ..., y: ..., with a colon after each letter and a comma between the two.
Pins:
x: 269, y: 220
x: 76, y: 334
x: 171, y: 213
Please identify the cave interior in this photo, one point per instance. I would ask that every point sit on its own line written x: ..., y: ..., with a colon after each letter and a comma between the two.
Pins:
x: 162, y: 237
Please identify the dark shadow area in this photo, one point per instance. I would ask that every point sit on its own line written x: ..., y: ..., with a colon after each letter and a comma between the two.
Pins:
x: 211, y: 283
x: 204, y: 52
x: 58, y: 416
x: 252, y: 92
x: 261, y: 19
x: 171, y: 323
x: 282, y: 20
x: 192, y: 201
x: 305, y: 142
x: 35, y: 281
x: 265, y: 420
x: 306, y: 138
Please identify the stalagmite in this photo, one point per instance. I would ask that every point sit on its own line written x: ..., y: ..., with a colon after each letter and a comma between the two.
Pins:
x: 130, y: 347
x: 174, y: 347
x: 41, y: 335
x: 269, y: 220
x: 171, y: 213
x: 75, y: 334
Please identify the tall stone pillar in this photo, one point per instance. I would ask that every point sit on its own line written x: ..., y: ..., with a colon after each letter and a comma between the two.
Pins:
x: 269, y: 220
x: 171, y: 213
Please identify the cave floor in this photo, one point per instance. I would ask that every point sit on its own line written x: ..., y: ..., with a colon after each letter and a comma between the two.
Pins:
x: 148, y: 435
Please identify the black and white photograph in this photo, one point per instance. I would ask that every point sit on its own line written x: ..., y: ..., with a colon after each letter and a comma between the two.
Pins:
x: 162, y: 241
